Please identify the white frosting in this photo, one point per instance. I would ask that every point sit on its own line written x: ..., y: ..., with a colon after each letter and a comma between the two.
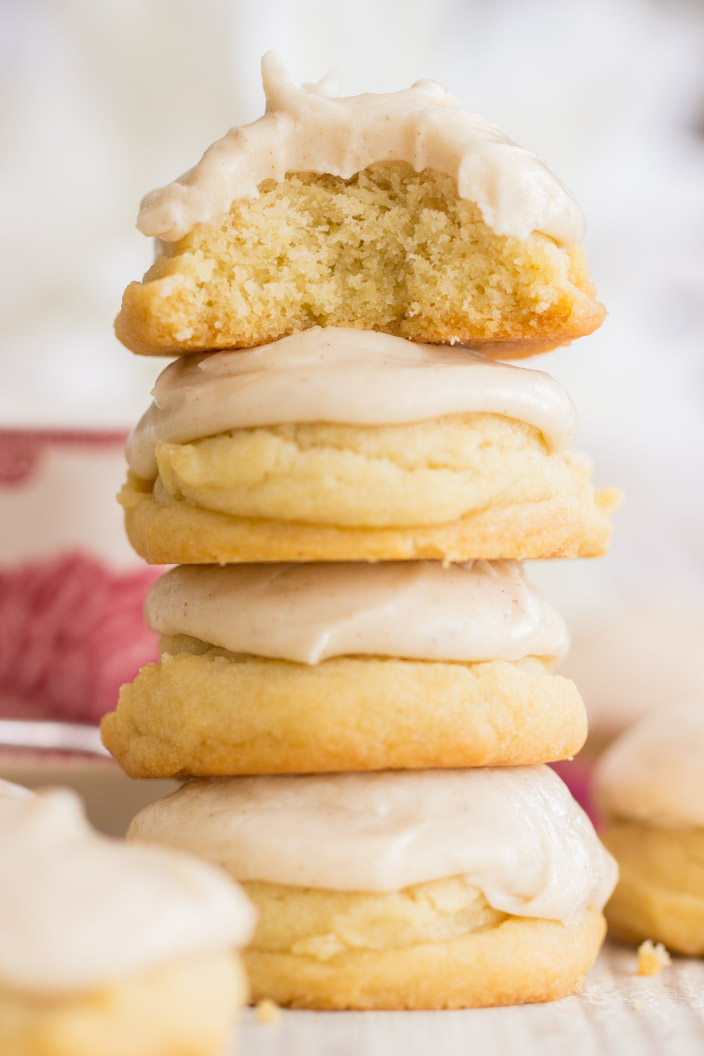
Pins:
x: 654, y: 772
x: 309, y: 130
x: 514, y: 832
x: 9, y: 788
x: 335, y: 374
x: 308, y: 612
x: 78, y: 910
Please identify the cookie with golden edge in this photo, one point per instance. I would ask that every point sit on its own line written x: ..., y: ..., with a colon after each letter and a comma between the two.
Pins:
x: 430, y: 946
x: 388, y: 249
x: 207, y: 712
x: 460, y: 487
x: 660, y: 893
x: 400, y: 213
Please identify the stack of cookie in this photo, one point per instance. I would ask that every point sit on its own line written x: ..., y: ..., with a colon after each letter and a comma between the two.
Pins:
x: 356, y: 672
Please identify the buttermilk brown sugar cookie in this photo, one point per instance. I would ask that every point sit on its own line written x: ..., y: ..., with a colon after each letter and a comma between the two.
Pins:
x: 650, y: 785
x: 434, y: 889
x: 108, y: 948
x: 305, y: 668
x: 340, y: 444
x: 400, y: 213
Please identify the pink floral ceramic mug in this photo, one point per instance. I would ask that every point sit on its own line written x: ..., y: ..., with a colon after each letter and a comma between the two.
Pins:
x: 71, y: 590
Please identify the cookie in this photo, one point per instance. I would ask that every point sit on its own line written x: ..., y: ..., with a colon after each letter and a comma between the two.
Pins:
x: 399, y: 213
x: 111, y: 948
x: 338, y: 444
x: 305, y: 668
x: 649, y: 785
x: 435, y: 889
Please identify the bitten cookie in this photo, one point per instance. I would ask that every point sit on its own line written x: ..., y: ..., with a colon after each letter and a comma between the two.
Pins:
x: 305, y: 668
x: 339, y: 444
x: 650, y: 784
x: 435, y: 889
x: 399, y: 213
x: 108, y: 948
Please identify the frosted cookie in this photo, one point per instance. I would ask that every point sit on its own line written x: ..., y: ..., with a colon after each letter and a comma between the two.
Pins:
x: 109, y: 948
x: 305, y: 668
x: 340, y: 444
x: 400, y: 213
x: 437, y: 889
x: 650, y: 784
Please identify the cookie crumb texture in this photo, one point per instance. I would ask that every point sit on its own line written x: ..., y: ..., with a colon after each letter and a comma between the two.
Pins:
x: 389, y: 476
x: 268, y: 1011
x: 652, y: 958
x: 210, y: 713
x: 459, y: 487
x: 389, y: 249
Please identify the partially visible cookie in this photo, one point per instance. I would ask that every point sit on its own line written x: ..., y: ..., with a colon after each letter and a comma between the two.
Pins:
x: 206, y: 712
x: 650, y: 785
x: 108, y: 948
x: 432, y: 889
x: 184, y: 1007
x: 389, y: 249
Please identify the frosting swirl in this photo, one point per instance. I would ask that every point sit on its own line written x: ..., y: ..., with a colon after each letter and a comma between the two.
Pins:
x: 411, y: 609
x: 513, y: 832
x: 335, y: 374
x: 309, y: 130
x: 78, y: 910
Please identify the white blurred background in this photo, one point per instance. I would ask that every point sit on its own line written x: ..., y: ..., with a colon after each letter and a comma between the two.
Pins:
x: 102, y: 100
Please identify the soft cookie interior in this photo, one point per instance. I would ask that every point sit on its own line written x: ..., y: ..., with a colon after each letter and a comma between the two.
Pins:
x: 389, y: 249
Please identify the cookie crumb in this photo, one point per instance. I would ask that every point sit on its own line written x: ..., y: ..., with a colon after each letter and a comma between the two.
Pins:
x: 268, y: 1011
x: 637, y: 1006
x: 652, y: 958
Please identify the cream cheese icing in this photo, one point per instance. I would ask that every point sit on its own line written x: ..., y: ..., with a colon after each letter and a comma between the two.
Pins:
x: 654, y: 772
x: 412, y: 609
x: 514, y: 832
x: 310, y: 130
x: 336, y: 374
x: 79, y: 910
x: 9, y: 788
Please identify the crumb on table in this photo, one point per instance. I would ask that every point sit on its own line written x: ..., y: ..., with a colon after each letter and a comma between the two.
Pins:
x: 652, y: 958
x: 268, y: 1011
